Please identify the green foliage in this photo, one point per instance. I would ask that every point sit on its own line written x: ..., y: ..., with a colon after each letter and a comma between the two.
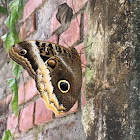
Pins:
x: 12, y: 83
x: 7, y: 135
x: 3, y: 10
x: 9, y: 39
x: 16, y: 7
x: 16, y: 70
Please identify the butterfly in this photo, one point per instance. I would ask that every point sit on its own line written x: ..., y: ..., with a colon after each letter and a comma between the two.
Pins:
x: 56, y: 69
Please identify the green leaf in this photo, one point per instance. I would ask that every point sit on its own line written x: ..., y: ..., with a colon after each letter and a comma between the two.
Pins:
x: 16, y: 38
x: 11, y: 38
x: 4, y: 37
x: 7, y: 135
x: 16, y: 6
x: 16, y: 70
x: 3, y: 10
x: 12, y: 83
x: 11, y: 21
x: 9, y: 41
x: 7, y: 21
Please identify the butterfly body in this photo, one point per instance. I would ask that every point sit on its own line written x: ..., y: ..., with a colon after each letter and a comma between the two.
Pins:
x: 56, y: 70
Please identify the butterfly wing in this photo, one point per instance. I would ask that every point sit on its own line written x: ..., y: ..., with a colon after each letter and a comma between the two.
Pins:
x: 56, y: 69
x: 59, y: 84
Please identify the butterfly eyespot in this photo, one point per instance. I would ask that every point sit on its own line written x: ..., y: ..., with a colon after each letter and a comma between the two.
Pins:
x: 63, y: 86
x: 23, y: 52
x: 51, y: 63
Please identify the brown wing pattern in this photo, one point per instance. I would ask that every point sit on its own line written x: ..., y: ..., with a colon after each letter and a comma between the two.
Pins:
x: 56, y: 69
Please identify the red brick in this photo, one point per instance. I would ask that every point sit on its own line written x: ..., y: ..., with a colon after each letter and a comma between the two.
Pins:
x: 29, y: 93
x: 83, y: 101
x: 12, y: 123
x: 54, y: 22
x: 42, y: 114
x: 23, y: 33
x: 27, y: 27
x: 30, y: 24
x: 71, y: 35
x: 81, y: 52
x: 30, y: 89
x: 30, y: 7
x: 76, y: 5
x: 25, y: 74
x: 26, y: 118
x: 21, y: 95
x: 53, y: 39
x: 85, y: 23
x: 8, y: 99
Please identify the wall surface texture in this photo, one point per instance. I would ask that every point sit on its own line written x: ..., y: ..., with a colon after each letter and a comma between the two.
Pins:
x: 112, y: 86
x: 34, y: 121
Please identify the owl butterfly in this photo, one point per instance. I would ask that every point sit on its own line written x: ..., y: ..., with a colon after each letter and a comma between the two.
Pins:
x: 56, y: 70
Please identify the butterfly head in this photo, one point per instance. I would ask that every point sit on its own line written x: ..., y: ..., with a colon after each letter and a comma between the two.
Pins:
x: 24, y: 53
x: 18, y: 49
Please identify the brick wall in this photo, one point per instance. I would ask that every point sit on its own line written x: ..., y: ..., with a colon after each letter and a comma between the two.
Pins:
x: 34, y: 120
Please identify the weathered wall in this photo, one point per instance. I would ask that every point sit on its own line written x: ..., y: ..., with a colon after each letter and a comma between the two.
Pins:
x: 34, y: 120
x: 112, y: 76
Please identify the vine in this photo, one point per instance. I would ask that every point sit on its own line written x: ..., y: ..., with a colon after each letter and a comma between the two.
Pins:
x: 9, y: 39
